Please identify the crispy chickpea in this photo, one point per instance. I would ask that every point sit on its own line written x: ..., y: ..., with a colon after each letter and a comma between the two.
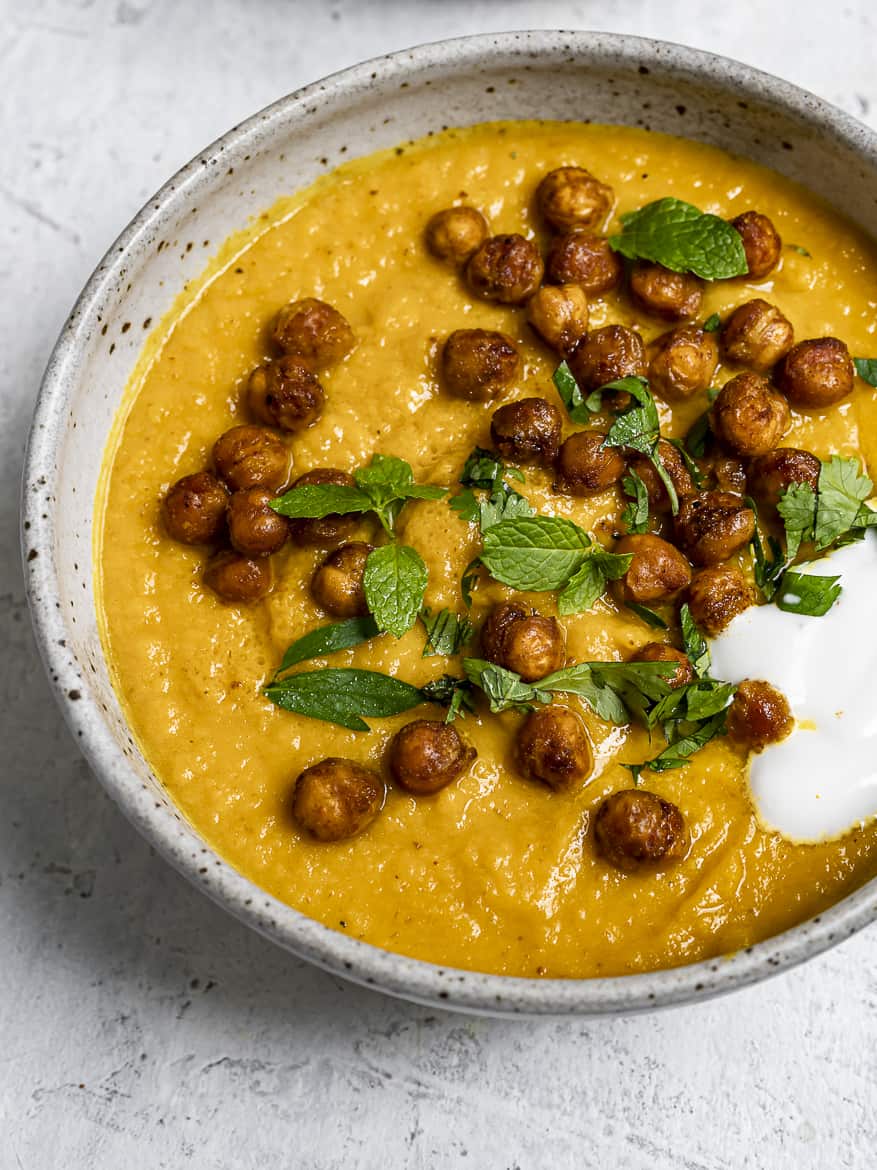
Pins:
x: 571, y: 197
x: 522, y: 640
x: 313, y: 331
x: 250, y: 456
x: 749, y: 417
x: 661, y: 652
x: 635, y: 829
x: 584, y: 259
x: 427, y: 755
x: 712, y: 526
x: 479, y: 364
x: 285, y: 393
x: 337, y: 798
x: 761, y: 242
x: 337, y: 583
x: 674, y: 296
x: 724, y: 472
x: 683, y: 362
x: 757, y: 335
x: 606, y: 355
x: 559, y: 314
x: 816, y: 373
x: 507, y: 269
x: 254, y: 528
x: 769, y: 475
x: 759, y: 715
x: 585, y: 467
x: 674, y: 465
x: 332, y: 528
x: 238, y: 578
x: 527, y: 431
x: 657, y: 572
x: 716, y: 596
x: 194, y: 508
x: 455, y: 233
x: 553, y: 748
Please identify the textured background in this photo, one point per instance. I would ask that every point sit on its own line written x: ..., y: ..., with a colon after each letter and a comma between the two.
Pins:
x: 140, y: 1026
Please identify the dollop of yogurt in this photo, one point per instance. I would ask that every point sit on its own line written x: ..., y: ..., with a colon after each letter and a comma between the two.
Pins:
x: 822, y: 779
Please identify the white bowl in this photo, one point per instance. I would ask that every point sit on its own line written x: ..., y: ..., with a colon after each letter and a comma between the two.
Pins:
x: 576, y: 75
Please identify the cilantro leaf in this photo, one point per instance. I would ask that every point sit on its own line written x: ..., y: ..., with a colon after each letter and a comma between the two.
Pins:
x: 842, y: 490
x: 589, y: 582
x: 534, y: 552
x: 394, y: 581
x: 328, y: 639
x: 467, y: 505
x: 485, y: 470
x: 502, y: 505
x: 343, y: 696
x: 866, y: 368
x: 797, y: 509
x: 446, y: 632
x: 640, y: 429
x: 807, y: 593
x: 694, y: 644
x: 682, y: 238
x: 635, y: 515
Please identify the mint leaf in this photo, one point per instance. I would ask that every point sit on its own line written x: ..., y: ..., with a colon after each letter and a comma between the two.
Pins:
x: 807, y: 594
x: 343, y: 696
x: 797, y: 509
x: 394, y: 581
x: 682, y: 238
x: 534, y: 552
x: 314, y: 501
x: 589, y: 582
x: 577, y: 406
x: 842, y: 490
x: 712, y: 324
x: 328, y: 639
x: 503, y: 688
x: 446, y: 632
x: 694, y: 644
x: 866, y: 368
x: 647, y: 615
x: 635, y: 515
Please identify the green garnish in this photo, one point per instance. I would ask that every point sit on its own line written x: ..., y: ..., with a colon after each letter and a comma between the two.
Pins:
x: 797, y: 509
x: 806, y: 593
x: 395, y: 581
x: 712, y: 324
x: 588, y: 584
x: 577, y: 406
x: 678, y: 752
x: 841, y: 492
x: 328, y: 639
x: 682, y: 238
x: 799, y: 249
x: 450, y: 692
x: 640, y: 429
x: 690, y: 465
x: 647, y: 615
x: 635, y: 514
x: 694, y: 644
x: 485, y: 472
x: 344, y: 696
x: 698, y: 436
x: 446, y: 632
x: 483, y: 469
x: 866, y: 368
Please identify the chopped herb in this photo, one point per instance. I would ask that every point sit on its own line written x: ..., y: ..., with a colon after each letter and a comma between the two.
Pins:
x: 469, y: 580
x: 691, y: 467
x: 395, y: 581
x: 798, y: 248
x: 647, y: 615
x: 446, y: 632
x: 450, y: 692
x: 485, y: 470
x: 328, y: 639
x: 797, y: 509
x: 535, y: 552
x: 694, y: 644
x: 769, y: 569
x: 635, y: 515
x: 842, y: 490
x: 588, y: 583
x: 682, y: 238
x: 677, y: 753
x: 866, y: 368
x: 577, y: 406
x: 343, y: 696
x: 502, y: 505
x: 712, y: 324
x: 698, y: 436
x: 807, y: 594
x: 640, y: 428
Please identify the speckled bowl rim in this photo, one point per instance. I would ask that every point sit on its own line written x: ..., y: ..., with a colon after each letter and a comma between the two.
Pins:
x: 175, y: 840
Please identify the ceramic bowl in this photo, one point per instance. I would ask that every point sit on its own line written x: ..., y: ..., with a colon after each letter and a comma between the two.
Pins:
x: 565, y: 75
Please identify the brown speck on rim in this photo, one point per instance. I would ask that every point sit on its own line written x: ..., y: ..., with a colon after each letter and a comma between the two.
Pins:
x: 490, y: 89
x: 32, y: 555
x: 113, y: 348
x: 239, y: 270
x: 400, y: 150
x: 206, y: 244
x: 644, y: 70
x: 189, y: 246
x: 103, y: 331
x: 126, y: 326
x: 681, y: 111
x: 343, y: 150
x: 787, y: 145
x: 74, y: 695
x: 147, y: 322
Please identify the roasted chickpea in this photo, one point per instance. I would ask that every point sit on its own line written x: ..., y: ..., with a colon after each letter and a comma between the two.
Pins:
x: 769, y: 475
x: 661, y: 652
x: 635, y: 829
x: 682, y: 363
x: 337, y: 798
x: 571, y: 197
x: 479, y: 364
x: 285, y: 393
x: 194, y: 508
x: 749, y: 417
x: 607, y: 355
x: 712, y: 526
x: 716, y: 596
x: 657, y: 572
x: 249, y: 456
x: 757, y: 335
x: 585, y: 467
x: 553, y: 748
x: 816, y: 373
x: 674, y: 465
x: 522, y: 640
x: 759, y: 715
x: 761, y: 242
x: 507, y: 269
x: 724, y: 472
x: 313, y: 331
x: 559, y: 314
x: 238, y: 578
x: 332, y: 528
x: 586, y: 260
x: 455, y: 233
x: 255, y: 529
x: 527, y: 431
x: 427, y: 755
x: 337, y: 583
x: 674, y: 296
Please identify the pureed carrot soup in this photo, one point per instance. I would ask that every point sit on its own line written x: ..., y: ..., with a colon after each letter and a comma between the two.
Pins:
x: 503, y: 634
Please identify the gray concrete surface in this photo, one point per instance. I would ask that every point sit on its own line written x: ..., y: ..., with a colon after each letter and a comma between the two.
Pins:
x: 140, y: 1026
